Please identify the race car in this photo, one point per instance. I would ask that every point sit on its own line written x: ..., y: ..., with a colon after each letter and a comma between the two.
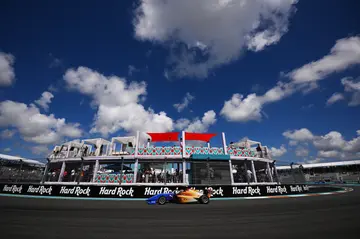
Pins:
x: 183, y: 196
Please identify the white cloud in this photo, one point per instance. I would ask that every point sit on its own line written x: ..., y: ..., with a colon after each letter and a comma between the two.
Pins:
x: 197, y: 125
x: 34, y: 126
x: 45, y: 100
x: 40, y: 150
x: 301, y: 152
x: 299, y: 135
x: 330, y: 145
x: 117, y: 102
x: 185, y: 102
x: 131, y: 70
x: 353, y: 87
x: 293, y: 142
x: 7, y: 74
x: 242, y: 109
x: 344, y: 54
x: 334, y: 98
x: 215, y: 31
x: 6, y: 150
x: 278, y: 152
x: 328, y: 154
x: 7, y: 134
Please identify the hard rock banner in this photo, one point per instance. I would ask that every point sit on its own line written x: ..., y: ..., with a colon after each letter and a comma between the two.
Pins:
x: 134, y: 191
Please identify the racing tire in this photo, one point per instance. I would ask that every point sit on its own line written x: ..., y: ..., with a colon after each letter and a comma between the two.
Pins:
x: 204, y: 199
x: 161, y: 200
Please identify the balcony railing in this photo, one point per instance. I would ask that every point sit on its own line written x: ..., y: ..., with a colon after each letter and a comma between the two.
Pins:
x: 177, y: 151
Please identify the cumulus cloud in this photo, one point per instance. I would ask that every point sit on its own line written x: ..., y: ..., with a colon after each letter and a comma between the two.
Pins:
x: 211, y: 33
x: 299, y: 135
x: 118, y: 103
x: 301, y: 152
x: 335, y: 98
x: 40, y: 150
x: 34, y: 126
x: 352, y: 86
x: 344, y: 54
x: 242, y: 109
x: 278, y: 152
x: 45, y: 100
x: 197, y: 125
x: 330, y: 145
x: 185, y: 102
x: 7, y: 134
x: 7, y: 74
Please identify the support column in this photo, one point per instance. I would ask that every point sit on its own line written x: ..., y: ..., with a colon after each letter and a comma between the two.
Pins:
x: 183, y: 144
x: 96, y: 169
x: 136, y: 156
x: 81, y: 170
x: 184, y: 172
x: 246, y: 169
x: 269, y: 172
x: 253, y: 170
x: 136, y: 170
x: 68, y: 150
x: 62, y: 171
x: 43, y: 179
x: 224, y: 142
x: 121, y: 170
x: 275, y: 172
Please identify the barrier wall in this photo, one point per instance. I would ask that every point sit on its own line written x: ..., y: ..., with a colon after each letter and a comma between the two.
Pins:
x: 219, y: 191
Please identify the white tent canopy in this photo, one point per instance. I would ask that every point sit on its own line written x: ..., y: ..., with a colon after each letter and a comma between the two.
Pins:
x: 247, y: 143
x: 127, y: 142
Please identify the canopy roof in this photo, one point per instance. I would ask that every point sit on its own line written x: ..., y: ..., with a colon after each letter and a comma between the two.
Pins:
x: 199, y: 136
x: 164, y: 137
x: 17, y: 159
x: 124, y: 140
x: 96, y: 141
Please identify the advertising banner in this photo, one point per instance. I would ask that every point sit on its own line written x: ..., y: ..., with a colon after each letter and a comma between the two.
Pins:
x: 107, y: 191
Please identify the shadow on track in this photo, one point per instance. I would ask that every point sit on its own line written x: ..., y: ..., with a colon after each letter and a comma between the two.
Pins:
x: 332, y: 216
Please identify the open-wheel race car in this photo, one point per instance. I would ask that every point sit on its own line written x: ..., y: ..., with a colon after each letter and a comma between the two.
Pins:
x: 183, y: 196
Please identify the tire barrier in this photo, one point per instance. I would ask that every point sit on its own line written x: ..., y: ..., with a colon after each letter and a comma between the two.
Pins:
x: 111, y: 191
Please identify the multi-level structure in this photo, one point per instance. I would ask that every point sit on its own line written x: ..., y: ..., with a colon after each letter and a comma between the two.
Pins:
x: 131, y: 160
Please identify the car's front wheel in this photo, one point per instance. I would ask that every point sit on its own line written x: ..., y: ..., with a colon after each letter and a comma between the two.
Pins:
x: 204, y: 199
x: 161, y: 200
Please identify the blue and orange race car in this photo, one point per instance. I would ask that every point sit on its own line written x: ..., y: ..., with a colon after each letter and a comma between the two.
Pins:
x: 183, y: 196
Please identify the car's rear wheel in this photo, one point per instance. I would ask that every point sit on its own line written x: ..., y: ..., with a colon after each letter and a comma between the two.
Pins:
x: 204, y: 199
x: 161, y: 200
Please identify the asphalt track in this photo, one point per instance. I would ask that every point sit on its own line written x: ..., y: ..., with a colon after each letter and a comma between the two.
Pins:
x: 328, y: 216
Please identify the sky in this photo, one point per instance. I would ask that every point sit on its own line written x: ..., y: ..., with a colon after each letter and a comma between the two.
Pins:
x: 282, y: 72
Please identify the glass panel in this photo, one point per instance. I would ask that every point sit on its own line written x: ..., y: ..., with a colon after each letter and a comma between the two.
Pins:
x: 242, y: 172
x: 219, y: 172
x: 151, y: 172
x: 115, y: 172
x: 198, y: 172
x: 262, y: 172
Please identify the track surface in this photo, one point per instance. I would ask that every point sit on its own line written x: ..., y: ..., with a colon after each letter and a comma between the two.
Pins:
x: 330, y: 216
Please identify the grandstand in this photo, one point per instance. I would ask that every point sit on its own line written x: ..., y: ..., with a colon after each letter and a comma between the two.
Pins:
x: 330, y: 172
x: 18, y: 169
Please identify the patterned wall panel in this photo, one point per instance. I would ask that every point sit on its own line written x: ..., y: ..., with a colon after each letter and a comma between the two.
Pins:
x: 204, y: 150
x: 159, y: 151
x: 241, y: 152
x: 114, y: 178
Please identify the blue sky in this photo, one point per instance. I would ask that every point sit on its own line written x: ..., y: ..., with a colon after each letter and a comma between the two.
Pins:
x: 204, y: 50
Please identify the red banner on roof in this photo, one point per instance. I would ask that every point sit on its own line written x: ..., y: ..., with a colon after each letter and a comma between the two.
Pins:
x: 157, y: 137
x: 198, y: 136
